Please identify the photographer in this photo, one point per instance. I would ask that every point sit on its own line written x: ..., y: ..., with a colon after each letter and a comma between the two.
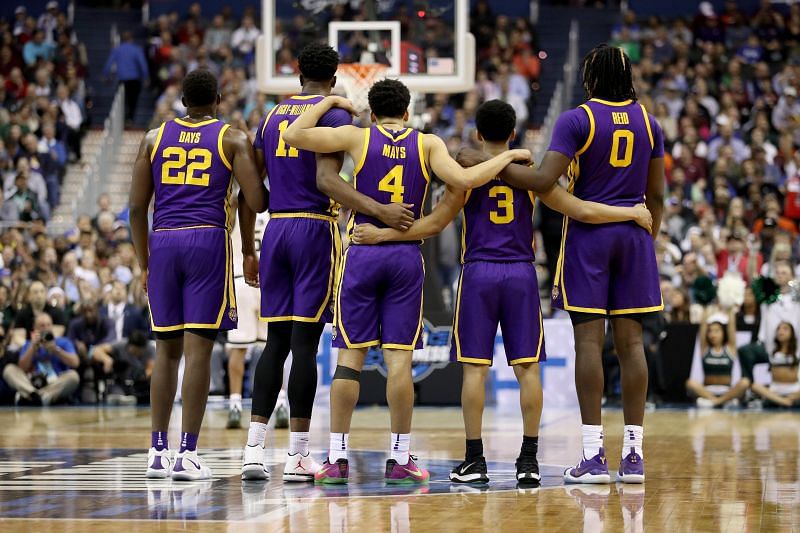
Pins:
x: 45, y: 373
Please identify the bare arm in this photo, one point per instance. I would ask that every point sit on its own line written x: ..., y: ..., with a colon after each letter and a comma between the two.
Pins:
x: 240, y: 153
x: 139, y: 199
x: 446, y: 168
x: 247, y: 230
x: 26, y: 360
x: 539, y: 180
x: 732, y: 330
x: 703, y: 333
x: 444, y: 212
x: 304, y: 135
x: 592, y: 212
x: 654, y: 196
x: 398, y: 216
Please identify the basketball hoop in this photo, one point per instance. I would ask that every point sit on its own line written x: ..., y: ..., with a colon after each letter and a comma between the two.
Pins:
x: 357, y: 79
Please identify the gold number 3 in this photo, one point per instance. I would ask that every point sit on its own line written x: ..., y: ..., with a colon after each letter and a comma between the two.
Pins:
x: 505, y: 201
x: 175, y: 158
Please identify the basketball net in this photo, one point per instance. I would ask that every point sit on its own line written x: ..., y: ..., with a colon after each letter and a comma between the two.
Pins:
x: 357, y: 79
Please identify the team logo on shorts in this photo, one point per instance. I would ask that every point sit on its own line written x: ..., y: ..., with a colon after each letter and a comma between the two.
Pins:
x: 232, y: 313
x: 555, y: 292
x: 333, y: 332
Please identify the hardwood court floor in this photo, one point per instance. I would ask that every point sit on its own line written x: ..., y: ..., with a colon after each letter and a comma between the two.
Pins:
x: 80, y: 469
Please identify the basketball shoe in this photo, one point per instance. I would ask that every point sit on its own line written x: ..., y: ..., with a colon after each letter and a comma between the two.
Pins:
x: 159, y: 464
x: 254, y: 466
x: 333, y: 474
x: 594, y: 470
x: 631, y: 469
x: 407, y: 473
x: 470, y: 472
x: 189, y: 468
x: 300, y: 467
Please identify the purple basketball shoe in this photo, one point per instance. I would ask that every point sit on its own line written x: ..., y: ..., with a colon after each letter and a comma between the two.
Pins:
x: 594, y: 470
x: 333, y: 474
x: 405, y: 474
x: 631, y: 469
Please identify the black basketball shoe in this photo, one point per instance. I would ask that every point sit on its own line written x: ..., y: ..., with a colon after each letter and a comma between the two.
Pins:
x: 470, y: 472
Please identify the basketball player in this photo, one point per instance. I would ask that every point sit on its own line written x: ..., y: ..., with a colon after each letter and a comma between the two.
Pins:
x: 188, y: 164
x: 300, y: 254
x: 498, y: 285
x: 613, y: 151
x: 379, y: 294
x: 250, y: 331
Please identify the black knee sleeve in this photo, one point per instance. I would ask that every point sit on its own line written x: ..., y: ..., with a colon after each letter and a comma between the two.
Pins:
x: 210, y: 334
x: 345, y: 372
x: 303, y: 375
x: 268, y: 378
x: 169, y: 335
x: 578, y: 317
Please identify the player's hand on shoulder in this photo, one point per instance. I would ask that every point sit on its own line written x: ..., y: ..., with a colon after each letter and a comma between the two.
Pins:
x: 250, y: 269
x: 521, y: 154
x: 643, y: 217
x: 342, y: 103
x: 397, y: 216
x: 366, y: 234
x: 469, y: 157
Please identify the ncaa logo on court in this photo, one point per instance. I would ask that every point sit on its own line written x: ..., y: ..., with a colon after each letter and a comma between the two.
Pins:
x: 435, y: 353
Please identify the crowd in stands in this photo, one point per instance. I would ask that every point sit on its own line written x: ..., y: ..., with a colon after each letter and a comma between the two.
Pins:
x: 723, y: 86
x: 43, y: 101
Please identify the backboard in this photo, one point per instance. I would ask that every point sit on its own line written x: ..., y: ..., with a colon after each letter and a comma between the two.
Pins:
x: 426, y: 44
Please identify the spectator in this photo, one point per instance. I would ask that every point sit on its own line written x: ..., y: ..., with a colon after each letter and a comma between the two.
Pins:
x: 45, y: 373
x: 36, y: 303
x: 125, y: 317
x: 48, y: 21
x: 89, y: 329
x: 73, y: 120
x: 737, y: 259
x: 127, y: 366
x: 127, y: 61
x: 244, y: 39
x: 38, y: 48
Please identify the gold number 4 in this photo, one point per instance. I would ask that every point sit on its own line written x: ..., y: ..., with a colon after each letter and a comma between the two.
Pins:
x: 628, y: 156
x: 175, y: 158
x: 505, y: 201
x: 281, y: 151
x: 393, y: 183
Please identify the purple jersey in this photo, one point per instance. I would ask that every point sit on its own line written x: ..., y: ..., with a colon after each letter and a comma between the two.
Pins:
x: 392, y: 170
x: 191, y: 176
x: 498, y: 224
x: 292, y: 173
x: 610, y: 144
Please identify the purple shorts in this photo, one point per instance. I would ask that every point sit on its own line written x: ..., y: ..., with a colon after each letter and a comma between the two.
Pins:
x: 379, y: 297
x: 607, y: 269
x: 489, y: 294
x: 190, y: 280
x: 297, y: 269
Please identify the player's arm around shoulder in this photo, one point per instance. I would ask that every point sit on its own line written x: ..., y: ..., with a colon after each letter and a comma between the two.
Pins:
x: 453, y: 174
x: 594, y: 213
x: 304, y: 133
x: 445, y: 211
x: 239, y: 151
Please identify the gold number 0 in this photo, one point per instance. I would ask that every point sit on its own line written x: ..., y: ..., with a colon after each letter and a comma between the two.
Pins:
x: 506, y: 203
x: 393, y: 183
x: 628, y: 156
x: 175, y: 159
x: 281, y: 150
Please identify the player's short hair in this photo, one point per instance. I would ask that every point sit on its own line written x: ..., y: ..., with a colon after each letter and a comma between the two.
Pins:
x: 200, y: 88
x: 607, y: 74
x: 495, y: 120
x: 318, y: 62
x: 389, y: 98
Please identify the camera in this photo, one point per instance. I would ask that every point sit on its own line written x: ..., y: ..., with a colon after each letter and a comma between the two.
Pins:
x: 48, y: 336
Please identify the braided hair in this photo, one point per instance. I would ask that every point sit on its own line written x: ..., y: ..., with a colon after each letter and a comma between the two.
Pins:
x: 607, y: 74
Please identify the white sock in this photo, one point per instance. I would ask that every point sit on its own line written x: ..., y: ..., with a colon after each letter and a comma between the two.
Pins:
x: 632, y: 438
x: 592, y: 440
x: 256, y: 434
x: 398, y: 447
x: 298, y: 442
x: 235, y: 401
x: 338, y: 448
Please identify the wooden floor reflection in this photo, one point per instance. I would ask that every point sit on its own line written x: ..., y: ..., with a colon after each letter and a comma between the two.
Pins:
x: 77, y: 469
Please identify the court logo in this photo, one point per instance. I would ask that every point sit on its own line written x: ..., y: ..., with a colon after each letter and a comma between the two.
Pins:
x: 434, y: 354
